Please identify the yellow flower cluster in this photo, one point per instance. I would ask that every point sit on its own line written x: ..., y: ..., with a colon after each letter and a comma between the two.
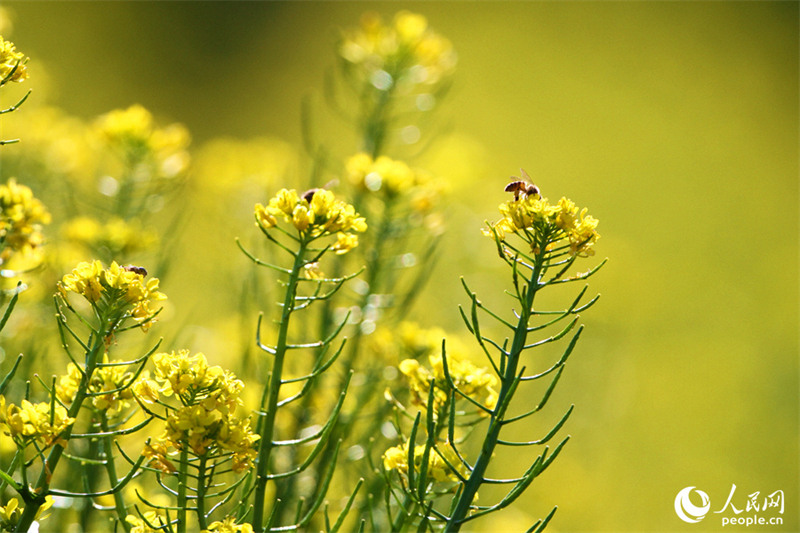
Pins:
x: 29, y: 422
x: 396, y: 458
x: 406, y: 50
x: 190, y: 376
x: 118, y: 236
x: 133, y: 131
x: 21, y: 220
x: 115, y: 285
x: 12, y: 63
x: 158, y: 454
x: 393, y: 178
x: 476, y: 382
x: 11, y: 512
x: 408, y: 340
x: 228, y: 525
x: 151, y: 522
x: 205, y: 421
x: 109, y: 386
x: 315, y: 214
x: 539, y: 223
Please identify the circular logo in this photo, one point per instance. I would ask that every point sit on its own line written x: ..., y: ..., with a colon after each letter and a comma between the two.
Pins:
x: 686, y: 510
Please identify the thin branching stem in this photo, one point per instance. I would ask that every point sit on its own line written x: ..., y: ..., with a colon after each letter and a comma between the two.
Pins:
x: 266, y: 443
x: 509, y: 382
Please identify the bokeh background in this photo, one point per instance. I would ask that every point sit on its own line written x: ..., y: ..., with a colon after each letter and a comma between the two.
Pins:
x: 675, y: 122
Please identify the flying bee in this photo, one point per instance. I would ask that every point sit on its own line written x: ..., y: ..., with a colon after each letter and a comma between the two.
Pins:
x: 522, y: 186
x: 136, y: 269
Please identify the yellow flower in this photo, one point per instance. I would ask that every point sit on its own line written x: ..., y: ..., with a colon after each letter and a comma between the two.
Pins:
x: 134, y: 123
x: 322, y: 203
x: 407, y: 52
x: 116, y: 286
x: 316, y: 215
x: 145, y: 389
x: 228, y: 525
x: 236, y: 436
x: 12, y: 63
x: 410, y: 26
x: 114, y: 380
x: 302, y: 217
x: 133, y: 133
x: 476, y: 382
x: 84, y: 280
x: 397, y: 175
x: 264, y: 218
x: 358, y: 166
x: 30, y: 422
x: 191, y: 378
x: 396, y: 458
x: 21, y: 220
x: 151, y: 522
x: 205, y: 422
x: 285, y: 201
x: 583, y: 235
x: 12, y: 512
x: 543, y: 224
x: 312, y: 271
x: 158, y: 453
x: 388, y: 175
x: 344, y: 243
x: 10, y: 515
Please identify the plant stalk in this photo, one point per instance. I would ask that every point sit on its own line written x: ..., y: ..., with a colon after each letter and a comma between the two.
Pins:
x: 476, y: 477
x: 36, y: 498
x: 270, y: 409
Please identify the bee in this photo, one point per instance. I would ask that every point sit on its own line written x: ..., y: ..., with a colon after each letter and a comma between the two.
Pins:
x: 522, y: 186
x: 136, y: 269
x: 309, y: 194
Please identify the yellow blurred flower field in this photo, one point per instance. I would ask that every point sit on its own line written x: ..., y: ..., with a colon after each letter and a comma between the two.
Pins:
x: 196, y: 137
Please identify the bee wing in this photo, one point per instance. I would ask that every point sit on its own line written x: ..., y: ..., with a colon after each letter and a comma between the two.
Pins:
x: 525, y: 175
x: 331, y: 184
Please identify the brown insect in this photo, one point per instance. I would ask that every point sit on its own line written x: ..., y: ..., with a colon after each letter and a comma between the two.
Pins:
x: 136, y: 269
x: 522, y: 186
x: 309, y: 194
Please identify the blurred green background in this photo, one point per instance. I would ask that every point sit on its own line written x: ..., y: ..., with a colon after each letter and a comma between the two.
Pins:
x: 675, y: 122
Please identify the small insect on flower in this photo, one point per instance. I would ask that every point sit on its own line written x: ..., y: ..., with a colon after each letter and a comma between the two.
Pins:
x: 522, y: 186
x: 136, y: 269
x: 309, y: 194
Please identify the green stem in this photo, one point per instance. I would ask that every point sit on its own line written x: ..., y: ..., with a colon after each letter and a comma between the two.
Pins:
x: 403, y: 514
x: 10, y: 470
x: 36, y: 498
x: 270, y: 408
x: 201, y: 494
x: 111, y: 470
x: 476, y: 477
x: 90, y: 472
x: 183, y: 475
x: 376, y: 124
